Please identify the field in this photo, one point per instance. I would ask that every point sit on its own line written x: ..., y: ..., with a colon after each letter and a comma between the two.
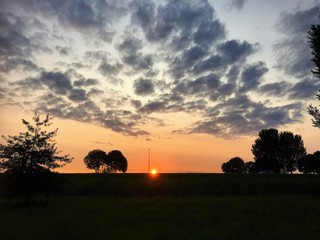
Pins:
x: 170, y: 206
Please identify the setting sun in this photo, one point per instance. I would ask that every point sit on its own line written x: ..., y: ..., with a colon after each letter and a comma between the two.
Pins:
x: 154, y: 171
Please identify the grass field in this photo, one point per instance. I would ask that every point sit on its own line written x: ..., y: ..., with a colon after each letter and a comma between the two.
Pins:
x: 171, y: 206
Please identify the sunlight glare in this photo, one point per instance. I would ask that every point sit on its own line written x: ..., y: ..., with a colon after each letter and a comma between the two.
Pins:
x: 154, y: 172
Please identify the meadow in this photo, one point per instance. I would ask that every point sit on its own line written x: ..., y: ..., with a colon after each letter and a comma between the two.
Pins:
x: 170, y: 206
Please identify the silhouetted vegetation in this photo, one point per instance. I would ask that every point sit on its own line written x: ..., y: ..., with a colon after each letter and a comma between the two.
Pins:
x: 96, y: 160
x: 314, y: 41
x: 102, y: 162
x: 234, y: 165
x: 310, y: 163
x: 276, y: 151
x: 27, y: 160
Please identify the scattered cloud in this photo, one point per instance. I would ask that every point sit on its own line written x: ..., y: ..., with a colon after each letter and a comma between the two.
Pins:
x: 293, y: 49
x: 116, y: 63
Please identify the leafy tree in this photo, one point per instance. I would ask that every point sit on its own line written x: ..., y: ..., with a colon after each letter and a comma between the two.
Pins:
x: 28, y: 158
x: 276, y: 151
x: 116, y: 162
x: 234, y: 165
x: 249, y: 167
x: 96, y: 159
x: 264, y: 150
x: 309, y: 163
x: 314, y: 41
x: 291, y: 149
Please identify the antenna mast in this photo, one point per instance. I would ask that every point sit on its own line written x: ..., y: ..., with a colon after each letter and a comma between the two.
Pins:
x: 149, y: 161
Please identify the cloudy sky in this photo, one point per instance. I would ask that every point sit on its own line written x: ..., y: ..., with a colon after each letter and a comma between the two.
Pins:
x: 195, y: 81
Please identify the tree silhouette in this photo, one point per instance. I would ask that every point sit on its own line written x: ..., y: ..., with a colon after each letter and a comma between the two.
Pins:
x: 116, y: 162
x: 276, y: 151
x: 250, y: 167
x: 309, y: 163
x: 234, y: 165
x: 96, y: 159
x: 291, y: 149
x: 314, y: 41
x: 27, y: 159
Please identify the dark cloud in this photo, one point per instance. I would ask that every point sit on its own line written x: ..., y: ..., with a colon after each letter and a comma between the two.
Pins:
x: 78, y: 95
x: 105, y: 63
x: 251, y: 76
x: 178, y: 21
x: 201, y: 86
x: 234, y: 50
x: 63, y: 51
x: 275, y: 89
x: 209, y: 33
x: 83, y: 82
x: 143, y: 87
x: 240, y: 116
x: 304, y: 89
x: 17, y: 45
x: 157, y: 106
x: 229, y: 52
x: 236, y: 4
x: 18, y: 64
x: 136, y: 103
x: 293, y: 50
x: 58, y: 82
x: 130, y: 49
x: 89, y: 17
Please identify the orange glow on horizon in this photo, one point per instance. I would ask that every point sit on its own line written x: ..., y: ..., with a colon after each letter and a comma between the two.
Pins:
x: 154, y: 172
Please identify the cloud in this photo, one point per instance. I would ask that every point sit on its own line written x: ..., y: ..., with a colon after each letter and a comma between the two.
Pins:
x: 240, y: 116
x: 234, y: 50
x: 83, y: 82
x: 177, y: 20
x: 236, y: 4
x: 177, y: 52
x: 304, y: 89
x: 275, y: 89
x: 251, y: 76
x: 156, y: 106
x: 88, y: 17
x: 294, y: 57
x: 59, y: 82
x: 143, y: 87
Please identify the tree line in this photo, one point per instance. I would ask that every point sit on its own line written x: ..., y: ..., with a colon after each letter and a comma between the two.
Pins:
x: 276, y: 152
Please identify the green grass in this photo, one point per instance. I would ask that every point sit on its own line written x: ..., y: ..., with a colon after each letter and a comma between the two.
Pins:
x: 171, y: 206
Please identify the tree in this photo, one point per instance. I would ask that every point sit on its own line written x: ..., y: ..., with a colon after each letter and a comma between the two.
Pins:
x: 314, y: 42
x: 264, y: 150
x: 234, y: 165
x: 291, y: 149
x: 27, y: 159
x: 96, y: 159
x: 310, y: 163
x: 249, y: 167
x: 276, y: 151
x: 116, y: 162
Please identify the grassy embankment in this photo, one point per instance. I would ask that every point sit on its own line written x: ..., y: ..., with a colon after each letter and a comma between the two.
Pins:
x: 171, y: 206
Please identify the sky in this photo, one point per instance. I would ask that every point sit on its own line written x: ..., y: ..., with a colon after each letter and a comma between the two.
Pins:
x: 193, y: 81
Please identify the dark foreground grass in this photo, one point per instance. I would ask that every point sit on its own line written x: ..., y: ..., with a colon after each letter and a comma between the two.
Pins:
x: 170, y: 206
x: 237, y: 217
x: 139, y: 185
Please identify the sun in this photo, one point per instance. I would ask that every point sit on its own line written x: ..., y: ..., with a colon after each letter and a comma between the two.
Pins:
x: 154, y: 172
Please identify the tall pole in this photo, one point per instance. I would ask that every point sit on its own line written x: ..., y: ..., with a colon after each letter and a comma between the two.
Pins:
x: 149, y: 161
